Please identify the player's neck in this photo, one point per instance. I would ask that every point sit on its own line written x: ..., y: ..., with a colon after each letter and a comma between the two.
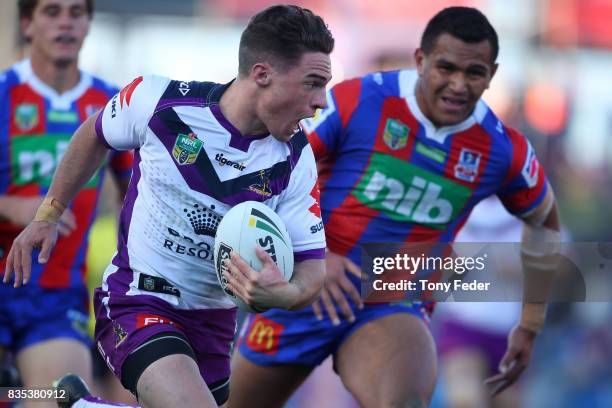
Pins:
x: 422, y: 104
x: 238, y: 108
x: 60, y: 77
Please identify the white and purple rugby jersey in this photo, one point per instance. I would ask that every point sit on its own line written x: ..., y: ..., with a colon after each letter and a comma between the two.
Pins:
x: 191, y: 166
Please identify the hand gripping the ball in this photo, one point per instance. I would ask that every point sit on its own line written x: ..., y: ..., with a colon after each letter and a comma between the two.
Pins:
x: 264, y: 289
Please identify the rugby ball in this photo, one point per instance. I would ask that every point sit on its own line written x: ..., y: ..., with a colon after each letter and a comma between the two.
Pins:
x: 243, y: 228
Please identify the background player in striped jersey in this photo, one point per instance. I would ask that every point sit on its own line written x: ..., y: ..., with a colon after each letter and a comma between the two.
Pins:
x: 43, y: 100
x: 404, y: 157
x: 160, y: 309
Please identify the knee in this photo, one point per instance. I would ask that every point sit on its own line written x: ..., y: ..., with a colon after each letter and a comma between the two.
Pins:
x: 411, y: 400
x: 396, y: 399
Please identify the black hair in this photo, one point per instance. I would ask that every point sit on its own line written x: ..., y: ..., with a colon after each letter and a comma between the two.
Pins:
x: 282, y: 33
x: 465, y: 23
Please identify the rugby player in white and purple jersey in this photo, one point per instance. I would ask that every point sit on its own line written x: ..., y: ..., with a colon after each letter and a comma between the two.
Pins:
x: 164, y: 325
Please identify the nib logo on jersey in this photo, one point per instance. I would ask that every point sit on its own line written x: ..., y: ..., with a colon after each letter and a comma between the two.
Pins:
x: 224, y: 162
x: 420, y: 196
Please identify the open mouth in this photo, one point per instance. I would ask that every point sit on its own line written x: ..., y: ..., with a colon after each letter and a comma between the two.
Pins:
x: 454, y: 104
x: 65, y: 39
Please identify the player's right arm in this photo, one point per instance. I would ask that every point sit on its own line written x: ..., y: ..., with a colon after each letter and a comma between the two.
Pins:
x: 84, y: 155
x: 20, y: 211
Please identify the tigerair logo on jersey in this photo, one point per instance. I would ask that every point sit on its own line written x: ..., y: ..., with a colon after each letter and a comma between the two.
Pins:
x: 34, y: 159
x: 26, y: 116
x: 225, y: 162
x: 264, y: 335
x: 396, y: 134
x: 186, y: 148
x: 408, y: 193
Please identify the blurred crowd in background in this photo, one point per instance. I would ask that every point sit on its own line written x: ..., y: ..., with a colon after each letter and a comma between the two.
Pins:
x: 554, y: 83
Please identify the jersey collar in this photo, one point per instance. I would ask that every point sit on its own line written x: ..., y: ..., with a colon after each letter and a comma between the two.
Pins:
x: 407, y: 85
x: 58, y: 101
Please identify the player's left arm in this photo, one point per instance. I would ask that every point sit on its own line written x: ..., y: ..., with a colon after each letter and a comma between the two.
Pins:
x: 529, y: 196
x: 299, y: 209
x: 308, y: 277
x: 539, y: 257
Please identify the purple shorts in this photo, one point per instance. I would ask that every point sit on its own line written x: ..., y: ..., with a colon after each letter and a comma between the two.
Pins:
x: 124, y: 323
x: 453, y: 336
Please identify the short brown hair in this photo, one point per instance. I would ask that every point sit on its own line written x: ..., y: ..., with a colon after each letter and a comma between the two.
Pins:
x: 26, y: 8
x: 283, y: 32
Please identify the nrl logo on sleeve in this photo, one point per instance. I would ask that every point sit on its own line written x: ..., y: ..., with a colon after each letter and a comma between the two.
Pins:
x: 396, y: 134
x: 531, y: 168
x: 186, y: 148
x: 26, y: 116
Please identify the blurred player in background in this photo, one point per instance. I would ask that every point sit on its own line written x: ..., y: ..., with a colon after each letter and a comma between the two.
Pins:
x: 163, y: 323
x: 43, y: 101
x: 472, y: 336
x: 405, y: 156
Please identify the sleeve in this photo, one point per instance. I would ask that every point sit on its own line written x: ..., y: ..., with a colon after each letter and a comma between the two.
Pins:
x: 526, y: 184
x: 325, y: 129
x: 123, y: 122
x: 299, y: 208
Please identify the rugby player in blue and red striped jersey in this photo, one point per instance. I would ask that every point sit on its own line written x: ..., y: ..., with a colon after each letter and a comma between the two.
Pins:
x: 404, y: 157
x: 43, y: 100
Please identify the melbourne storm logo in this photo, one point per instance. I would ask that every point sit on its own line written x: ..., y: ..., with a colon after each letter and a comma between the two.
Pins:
x: 203, y: 220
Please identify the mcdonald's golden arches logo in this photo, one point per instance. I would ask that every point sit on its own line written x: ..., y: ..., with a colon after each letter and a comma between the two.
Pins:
x: 264, y: 335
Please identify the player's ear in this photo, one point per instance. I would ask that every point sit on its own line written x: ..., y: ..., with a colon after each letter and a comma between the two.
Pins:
x: 493, y: 71
x: 419, y: 59
x: 25, y: 24
x: 260, y: 72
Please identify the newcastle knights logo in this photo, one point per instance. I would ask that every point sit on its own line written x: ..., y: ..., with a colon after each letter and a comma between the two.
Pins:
x: 26, y: 116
